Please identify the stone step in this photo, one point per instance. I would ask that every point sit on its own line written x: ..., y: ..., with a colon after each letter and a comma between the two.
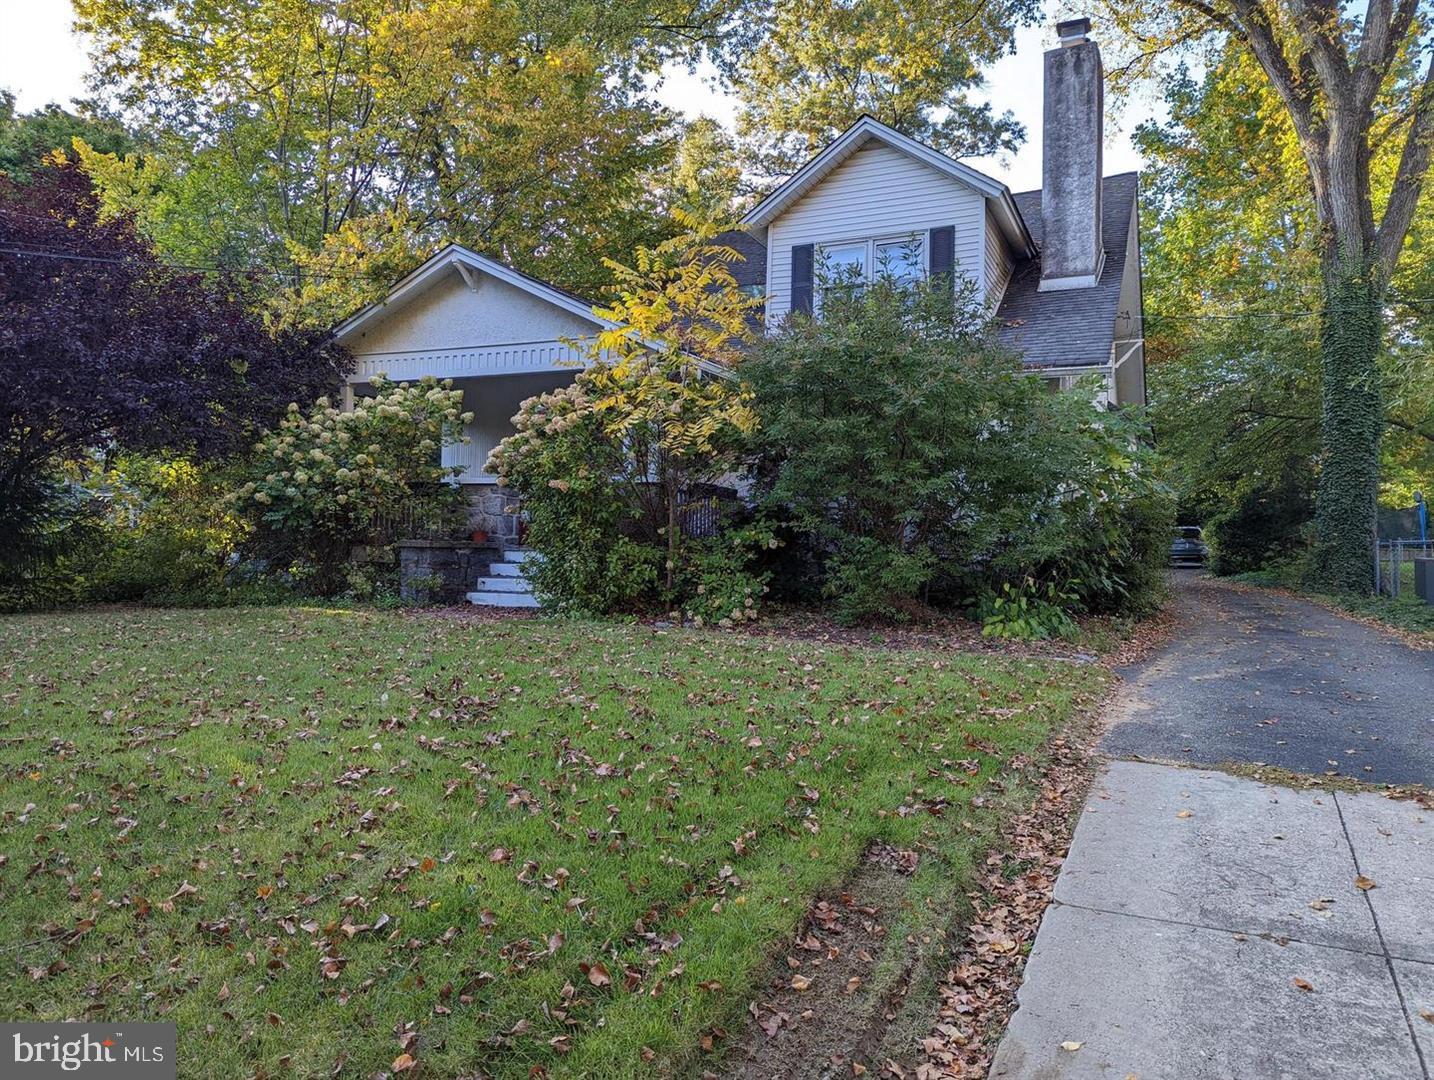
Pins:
x: 517, y: 555
x: 503, y: 584
x: 505, y: 569
x: 503, y: 599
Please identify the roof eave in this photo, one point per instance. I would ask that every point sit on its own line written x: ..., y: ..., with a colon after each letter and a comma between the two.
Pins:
x: 447, y: 257
x: 844, y: 145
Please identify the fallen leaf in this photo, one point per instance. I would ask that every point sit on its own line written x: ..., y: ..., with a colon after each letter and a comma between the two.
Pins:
x: 1185, y: 814
x: 403, y: 1063
x: 1427, y: 1014
x: 1365, y: 883
x: 1303, y: 984
x: 597, y: 974
x: 801, y: 982
x: 1071, y: 1046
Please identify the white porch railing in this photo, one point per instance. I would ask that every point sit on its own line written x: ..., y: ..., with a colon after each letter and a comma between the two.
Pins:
x: 507, y: 359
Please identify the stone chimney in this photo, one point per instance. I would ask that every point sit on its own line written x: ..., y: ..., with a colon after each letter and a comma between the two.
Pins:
x: 1072, y: 255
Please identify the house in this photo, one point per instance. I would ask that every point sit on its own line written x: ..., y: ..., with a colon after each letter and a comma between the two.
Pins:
x: 1060, y: 267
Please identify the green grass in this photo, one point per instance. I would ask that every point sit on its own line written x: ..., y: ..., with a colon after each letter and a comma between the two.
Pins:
x: 202, y: 807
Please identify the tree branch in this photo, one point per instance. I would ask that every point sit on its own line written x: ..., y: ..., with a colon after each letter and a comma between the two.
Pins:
x: 1379, y: 45
x: 1294, y: 90
x: 1409, y: 181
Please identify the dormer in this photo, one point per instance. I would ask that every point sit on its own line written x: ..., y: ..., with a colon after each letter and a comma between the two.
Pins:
x: 877, y: 201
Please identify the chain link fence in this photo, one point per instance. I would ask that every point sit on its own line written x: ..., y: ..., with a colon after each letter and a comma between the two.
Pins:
x: 1394, y: 564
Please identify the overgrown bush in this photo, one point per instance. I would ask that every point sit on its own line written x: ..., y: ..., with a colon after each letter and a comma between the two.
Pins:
x: 168, y: 531
x: 868, y: 578
x: 919, y: 457
x: 49, y: 535
x: 1027, y: 612
x: 321, y: 483
x: 1264, y: 525
x: 723, y: 581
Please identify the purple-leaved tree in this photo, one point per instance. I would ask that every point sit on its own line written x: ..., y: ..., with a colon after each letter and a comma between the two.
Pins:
x: 102, y: 345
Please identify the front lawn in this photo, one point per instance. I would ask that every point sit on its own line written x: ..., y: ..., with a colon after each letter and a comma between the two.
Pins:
x: 326, y: 840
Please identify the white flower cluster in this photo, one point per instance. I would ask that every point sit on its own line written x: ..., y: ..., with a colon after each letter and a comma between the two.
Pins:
x: 333, y: 462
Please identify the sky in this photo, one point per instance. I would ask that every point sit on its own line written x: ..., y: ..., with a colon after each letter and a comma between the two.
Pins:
x: 42, y: 60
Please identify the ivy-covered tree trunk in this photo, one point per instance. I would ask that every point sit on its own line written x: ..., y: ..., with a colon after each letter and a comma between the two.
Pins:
x: 1350, y: 336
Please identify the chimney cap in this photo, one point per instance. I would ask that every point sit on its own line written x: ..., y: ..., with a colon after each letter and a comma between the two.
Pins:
x: 1073, y: 32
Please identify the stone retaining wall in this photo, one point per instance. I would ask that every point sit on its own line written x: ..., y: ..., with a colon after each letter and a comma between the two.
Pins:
x: 441, y: 571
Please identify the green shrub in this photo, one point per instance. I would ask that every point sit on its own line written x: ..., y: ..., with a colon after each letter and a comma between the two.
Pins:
x: 921, y: 460
x: 869, y: 579
x: 50, y: 534
x: 1029, y: 612
x: 169, y: 531
x: 321, y: 484
x: 721, y: 580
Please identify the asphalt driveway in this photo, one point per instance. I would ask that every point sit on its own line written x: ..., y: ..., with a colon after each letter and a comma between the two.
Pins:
x: 1254, y: 677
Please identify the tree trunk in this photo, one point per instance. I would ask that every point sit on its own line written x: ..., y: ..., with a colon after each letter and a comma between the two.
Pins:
x: 1351, y: 332
x: 671, y: 488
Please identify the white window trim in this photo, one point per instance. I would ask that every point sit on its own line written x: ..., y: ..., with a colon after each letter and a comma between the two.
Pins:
x: 874, y: 242
x: 871, y: 243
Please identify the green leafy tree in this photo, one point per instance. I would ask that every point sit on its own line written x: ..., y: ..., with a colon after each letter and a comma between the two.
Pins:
x: 705, y: 180
x: 1233, y: 284
x: 27, y: 138
x: 1346, y: 81
x: 606, y: 465
x: 524, y: 130
x: 820, y: 64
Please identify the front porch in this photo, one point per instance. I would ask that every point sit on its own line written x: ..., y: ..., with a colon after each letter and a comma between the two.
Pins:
x: 493, y: 400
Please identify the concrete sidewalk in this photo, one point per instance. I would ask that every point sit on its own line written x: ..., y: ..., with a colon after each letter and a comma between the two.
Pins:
x: 1207, y: 927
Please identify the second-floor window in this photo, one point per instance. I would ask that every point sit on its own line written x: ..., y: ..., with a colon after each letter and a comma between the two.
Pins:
x: 855, y: 264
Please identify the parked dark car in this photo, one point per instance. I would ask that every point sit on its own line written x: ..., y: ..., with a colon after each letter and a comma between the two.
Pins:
x: 1188, y: 548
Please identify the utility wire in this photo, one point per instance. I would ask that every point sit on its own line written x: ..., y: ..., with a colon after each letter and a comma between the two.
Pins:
x: 198, y: 268
x: 340, y: 275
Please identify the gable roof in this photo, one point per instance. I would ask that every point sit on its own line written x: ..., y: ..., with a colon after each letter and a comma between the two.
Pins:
x: 457, y: 257
x: 867, y: 129
x: 1069, y: 327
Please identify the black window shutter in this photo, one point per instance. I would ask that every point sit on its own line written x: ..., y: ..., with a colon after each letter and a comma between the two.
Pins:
x: 802, y: 258
x: 943, y: 254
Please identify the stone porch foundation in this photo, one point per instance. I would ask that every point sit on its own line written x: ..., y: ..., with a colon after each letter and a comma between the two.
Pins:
x: 497, y: 511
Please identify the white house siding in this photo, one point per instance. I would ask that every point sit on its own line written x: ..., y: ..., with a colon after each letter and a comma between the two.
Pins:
x: 451, y: 316
x: 997, y: 265
x: 877, y: 192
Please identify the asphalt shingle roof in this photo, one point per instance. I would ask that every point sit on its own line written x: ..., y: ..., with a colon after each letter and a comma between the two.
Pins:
x: 752, y: 269
x: 1070, y: 327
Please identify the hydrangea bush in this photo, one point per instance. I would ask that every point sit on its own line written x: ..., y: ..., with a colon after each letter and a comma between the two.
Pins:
x: 323, y: 478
